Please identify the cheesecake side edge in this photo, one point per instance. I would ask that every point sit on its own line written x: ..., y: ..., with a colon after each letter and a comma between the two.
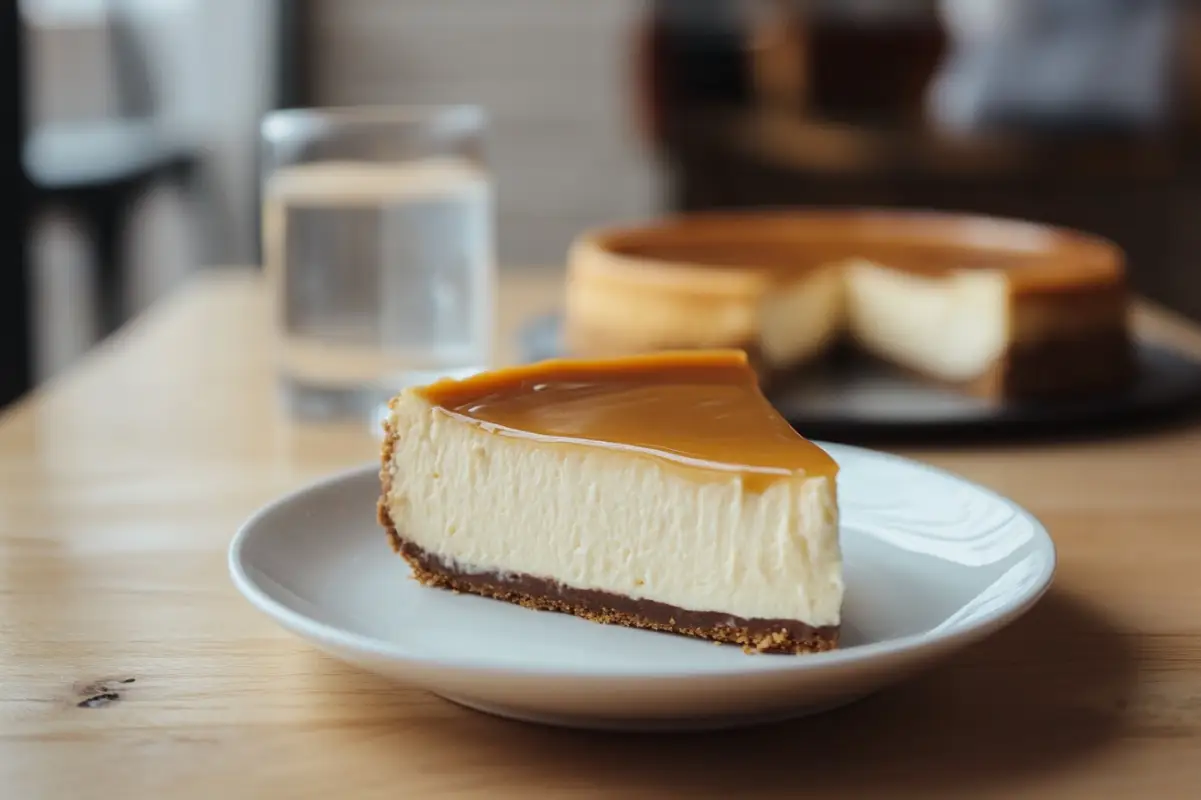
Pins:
x: 754, y: 635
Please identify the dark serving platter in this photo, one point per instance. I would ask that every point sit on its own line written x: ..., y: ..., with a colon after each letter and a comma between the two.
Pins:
x: 859, y: 400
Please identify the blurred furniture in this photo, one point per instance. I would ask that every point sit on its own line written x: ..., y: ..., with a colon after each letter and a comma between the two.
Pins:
x: 15, y: 319
x: 293, y: 62
x: 131, y: 668
x: 97, y: 170
x: 1138, y: 192
x: 813, y: 125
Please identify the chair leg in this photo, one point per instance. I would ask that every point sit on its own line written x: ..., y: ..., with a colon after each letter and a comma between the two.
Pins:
x: 108, y: 226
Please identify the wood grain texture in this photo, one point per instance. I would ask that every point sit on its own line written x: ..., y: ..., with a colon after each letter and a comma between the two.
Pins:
x: 129, y: 666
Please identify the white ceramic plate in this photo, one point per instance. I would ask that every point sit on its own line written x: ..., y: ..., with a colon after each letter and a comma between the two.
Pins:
x: 933, y: 563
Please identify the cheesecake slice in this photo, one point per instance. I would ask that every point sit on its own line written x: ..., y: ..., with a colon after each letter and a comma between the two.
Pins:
x: 658, y: 491
x: 993, y: 307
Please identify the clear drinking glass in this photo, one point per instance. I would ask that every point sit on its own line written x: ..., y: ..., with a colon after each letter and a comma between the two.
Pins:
x: 378, y: 244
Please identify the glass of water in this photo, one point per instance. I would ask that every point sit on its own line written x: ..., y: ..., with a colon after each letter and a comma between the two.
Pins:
x: 377, y: 242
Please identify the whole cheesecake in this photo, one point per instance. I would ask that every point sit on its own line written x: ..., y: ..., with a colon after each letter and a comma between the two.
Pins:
x: 660, y: 492
x: 996, y: 307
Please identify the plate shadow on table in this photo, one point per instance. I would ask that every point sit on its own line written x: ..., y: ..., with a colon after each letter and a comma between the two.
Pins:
x: 1037, y: 697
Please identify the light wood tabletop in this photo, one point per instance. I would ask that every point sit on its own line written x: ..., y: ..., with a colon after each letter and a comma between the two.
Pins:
x: 130, y: 667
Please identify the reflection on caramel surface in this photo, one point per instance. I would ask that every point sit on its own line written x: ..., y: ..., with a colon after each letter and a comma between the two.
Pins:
x: 698, y: 408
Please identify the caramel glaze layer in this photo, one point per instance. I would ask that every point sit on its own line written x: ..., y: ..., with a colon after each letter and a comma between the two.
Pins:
x: 1037, y: 258
x: 701, y: 410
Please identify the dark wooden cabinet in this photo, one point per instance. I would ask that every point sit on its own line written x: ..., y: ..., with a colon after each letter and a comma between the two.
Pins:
x: 15, y: 339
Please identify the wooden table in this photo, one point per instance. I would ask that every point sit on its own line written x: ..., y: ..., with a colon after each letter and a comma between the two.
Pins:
x: 129, y: 666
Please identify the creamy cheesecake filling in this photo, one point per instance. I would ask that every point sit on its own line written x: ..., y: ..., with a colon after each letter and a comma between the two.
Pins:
x: 612, y: 521
x: 948, y: 296
x: 952, y: 327
x: 798, y: 321
x: 957, y: 325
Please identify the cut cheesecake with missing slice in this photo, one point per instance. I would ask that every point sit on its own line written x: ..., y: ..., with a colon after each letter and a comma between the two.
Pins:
x: 659, y: 491
x: 999, y: 308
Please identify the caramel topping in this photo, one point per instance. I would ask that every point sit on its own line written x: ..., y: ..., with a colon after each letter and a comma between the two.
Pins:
x: 699, y: 409
x: 1034, y: 256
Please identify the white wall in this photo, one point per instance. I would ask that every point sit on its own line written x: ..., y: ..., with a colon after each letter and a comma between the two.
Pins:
x: 238, y: 70
x: 555, y: 77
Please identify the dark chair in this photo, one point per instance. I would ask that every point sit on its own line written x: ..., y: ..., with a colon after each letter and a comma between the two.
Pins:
x: 99, y: 170
x: 15, y: 338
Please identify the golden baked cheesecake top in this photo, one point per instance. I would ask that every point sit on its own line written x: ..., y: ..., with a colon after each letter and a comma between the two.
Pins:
x: 778, y: 245
x: 702, y: 410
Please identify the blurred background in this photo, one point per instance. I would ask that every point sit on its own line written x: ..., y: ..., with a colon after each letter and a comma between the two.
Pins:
x: 131, y: 126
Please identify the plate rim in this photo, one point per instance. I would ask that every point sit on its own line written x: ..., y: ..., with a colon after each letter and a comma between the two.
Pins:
x: 899, y: 647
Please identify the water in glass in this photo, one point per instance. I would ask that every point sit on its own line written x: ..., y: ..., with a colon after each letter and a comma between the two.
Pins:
x: 383, y: 278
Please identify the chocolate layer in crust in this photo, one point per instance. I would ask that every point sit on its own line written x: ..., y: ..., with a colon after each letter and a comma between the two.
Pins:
x: 755, y: 635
